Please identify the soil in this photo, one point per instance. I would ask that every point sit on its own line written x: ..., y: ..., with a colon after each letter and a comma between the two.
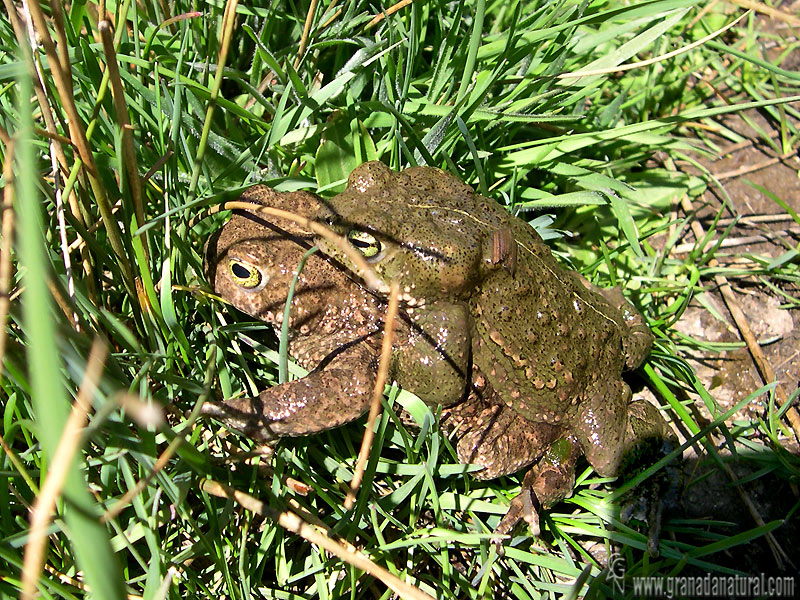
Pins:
x: 752, y: 174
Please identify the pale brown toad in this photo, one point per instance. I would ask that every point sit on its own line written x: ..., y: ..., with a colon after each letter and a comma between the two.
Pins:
x: 525, y: 355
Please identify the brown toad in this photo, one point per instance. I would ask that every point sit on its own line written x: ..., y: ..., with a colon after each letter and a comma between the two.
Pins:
x: 525, y: 355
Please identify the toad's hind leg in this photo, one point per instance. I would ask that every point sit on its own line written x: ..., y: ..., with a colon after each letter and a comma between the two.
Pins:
x: 495, y: 437
x: 601, y: 425
x: 548, y: 482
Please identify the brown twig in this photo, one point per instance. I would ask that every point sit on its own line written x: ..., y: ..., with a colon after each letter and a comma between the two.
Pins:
x: 377, y: 394
x: 745, y: 144
x: 697, y: 228
x: 68, y: 446
x: 292, y: 522
x: 762, y: 364
x: 754, y: 220
x: 765, y: 370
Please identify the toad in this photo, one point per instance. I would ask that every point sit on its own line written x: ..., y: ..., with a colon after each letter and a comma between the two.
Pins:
x: 524, y: 355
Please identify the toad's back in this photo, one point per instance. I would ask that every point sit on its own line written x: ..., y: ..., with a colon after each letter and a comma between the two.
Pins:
x: 541, y: 335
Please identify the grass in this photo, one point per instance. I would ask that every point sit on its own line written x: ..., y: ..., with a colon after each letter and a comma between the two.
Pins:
x: 476, y: 88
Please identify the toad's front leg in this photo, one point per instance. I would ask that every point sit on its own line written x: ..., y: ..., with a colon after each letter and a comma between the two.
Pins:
x: 334, y: 394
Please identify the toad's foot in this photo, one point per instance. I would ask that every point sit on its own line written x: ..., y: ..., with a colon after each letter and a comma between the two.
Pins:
x: 524, y: 506
x: 492, y: 435
x: 648, y: 440
x: 648, y: 502
x: 647, y: 506
x: 547, y: 483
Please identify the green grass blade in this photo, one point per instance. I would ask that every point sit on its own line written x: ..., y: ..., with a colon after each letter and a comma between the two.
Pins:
x: 88, y: 537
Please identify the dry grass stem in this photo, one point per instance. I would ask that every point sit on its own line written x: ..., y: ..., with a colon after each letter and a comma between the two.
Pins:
x: 128, y: 150
x: 20, y: 467
x: 81, y: 243
x: 334, y: 16
x: 292, y: 522
x: 752, y: 168
x: 388, y: 12
x: 157, y: 166
x: 656, y: 59
x: 701, y: 13
x: 39, y: 88
x: 739, y: 241
x: 38, y: 80
x: 377, y: 394
x: 6, y: 243
x: 312, y: 8
x: 57, y: 11
x: 57, y: 141
x: 762, y: 8
x: 68, y: 446
x: 316, y: 521
x: 66, y: 307
x: 176, y: 19
x: 78, y: 137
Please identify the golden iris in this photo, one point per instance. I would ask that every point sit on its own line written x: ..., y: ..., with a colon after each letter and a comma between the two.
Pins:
x: 365, y: 242
x: 244, y: 274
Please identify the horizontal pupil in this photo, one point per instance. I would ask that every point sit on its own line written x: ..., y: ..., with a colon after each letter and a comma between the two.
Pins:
x: 240, y: 271
x: 360, y: 243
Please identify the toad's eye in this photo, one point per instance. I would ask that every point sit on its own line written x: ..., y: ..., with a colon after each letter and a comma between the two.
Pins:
x: 365, y: 242
x: 244, y: 274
